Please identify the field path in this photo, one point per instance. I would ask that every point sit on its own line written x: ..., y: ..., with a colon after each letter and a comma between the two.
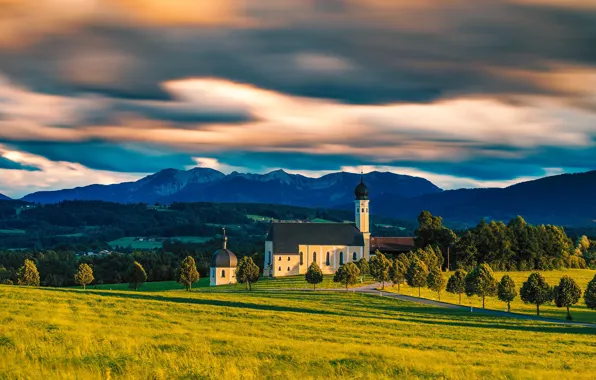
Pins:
x: 372, y: 289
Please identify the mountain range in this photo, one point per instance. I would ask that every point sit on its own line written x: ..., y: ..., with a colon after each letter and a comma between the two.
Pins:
x: 567, y: 199
x: 4, y: 197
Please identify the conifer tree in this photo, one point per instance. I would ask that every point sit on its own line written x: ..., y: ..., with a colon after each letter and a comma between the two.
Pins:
x: 536, y: 291
x: 137, y: 276
x: 417, y: 274
x: 247, y: 272
x: 84, y: 275
x: 506, y: 291
x: 481, y: 282
x: 188, y: 274
x: 436, y: 281
x: 314, y: 275
x: 347, y: 274
x: 590, y: 294
x: 457, y: 283
x: 567, y: 293
x: 379, y: 268
x: 28, y: 274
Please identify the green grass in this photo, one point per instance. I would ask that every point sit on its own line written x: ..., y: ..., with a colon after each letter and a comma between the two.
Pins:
x: 260, y: 218
x: 134, y: 243
x: 191, y: 239
x: 80, y: 234
x: 13, y: 232
x: 99, y: 334
x: 579, y: 312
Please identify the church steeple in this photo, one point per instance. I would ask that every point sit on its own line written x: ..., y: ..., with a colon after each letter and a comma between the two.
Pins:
x: 362, y: 214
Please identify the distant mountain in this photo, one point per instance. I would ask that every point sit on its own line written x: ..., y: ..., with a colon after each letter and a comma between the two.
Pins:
x: 568, y: 199
x: 278, y: 187
x: 4, y: 197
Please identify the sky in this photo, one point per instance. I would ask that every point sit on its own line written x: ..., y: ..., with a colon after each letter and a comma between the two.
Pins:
x: 465, y: 93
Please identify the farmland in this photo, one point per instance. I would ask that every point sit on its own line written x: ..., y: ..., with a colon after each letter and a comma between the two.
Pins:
x: 579, y: 311
x: 70, y: 333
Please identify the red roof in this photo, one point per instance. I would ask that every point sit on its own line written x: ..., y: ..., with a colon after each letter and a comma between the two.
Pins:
x: 392, y: 244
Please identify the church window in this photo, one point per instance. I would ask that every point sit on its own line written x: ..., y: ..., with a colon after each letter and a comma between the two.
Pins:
x: 357, y: 210
x: 362, y: 210
x: 279, y: 269
x: 327, y: 260
x: 341, y: 258
x: 279, y: 259
x: 269, y: 257
x: 288, y: 258
x: 314, y: 257
x: 288, y: 269
x: 212, y: 272
x: 354, y: 256
x: 301, y: 258
x: 223, y: 273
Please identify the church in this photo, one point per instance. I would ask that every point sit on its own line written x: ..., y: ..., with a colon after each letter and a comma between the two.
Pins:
x: 290, y: 248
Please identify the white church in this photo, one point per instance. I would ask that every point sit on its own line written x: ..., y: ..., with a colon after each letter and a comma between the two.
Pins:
x: 290, y: 248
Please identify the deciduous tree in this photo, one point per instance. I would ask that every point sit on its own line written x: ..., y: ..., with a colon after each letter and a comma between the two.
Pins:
x: 567, y: 293
x: 364, y: 267
x: 417, y: 274
x: 28, y: 274
x: 347, y: 274
x: 590, y: 294
x: 481, y: 282
x: 379, y: 268
x: 397, y: 272
x: 457, y: 283
x: 506, y: 291
x: 536, y: 291
x: 137, y: 276
x: 436, y: 281
x: 188, y: 274
x: 247, y: 272
x: 314, y: 275
x: 84, y: 275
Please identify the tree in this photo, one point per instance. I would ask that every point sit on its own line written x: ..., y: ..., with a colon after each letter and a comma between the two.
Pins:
x: 247, y: 272
x: 567, y: 293
x: 590, y: 294
x: 314, y: 275
x: 84, y: 275
x: 457, y: 283
x: 436, y: 281
x: 481, y: 282
x: 379, y: 268
x: 417, y: 274
x: 397, y: 272
x: 506, y: 291
x: 347, y: 274
x: 364, y: 267
x: 28, y: 274
x: 188, y: 274
x: 536, y: 291
x: 137, y: 276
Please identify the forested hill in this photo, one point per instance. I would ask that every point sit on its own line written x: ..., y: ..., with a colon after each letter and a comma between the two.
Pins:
x: 566, y: 199
x: 4, y: 197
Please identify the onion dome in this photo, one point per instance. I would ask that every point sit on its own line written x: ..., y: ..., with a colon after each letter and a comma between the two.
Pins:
x: 224, y: 258
x: 361, y: 191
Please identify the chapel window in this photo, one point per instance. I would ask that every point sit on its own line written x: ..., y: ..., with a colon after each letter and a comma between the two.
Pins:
x: 314, y: 257
x: 223, y: 273
x: 354, y: 256
x: 288, y: 258
x: 301, y: 258
x: 288, y: 269
x: 341, y: 258
x: 327, y: 259
x: 279, y: 258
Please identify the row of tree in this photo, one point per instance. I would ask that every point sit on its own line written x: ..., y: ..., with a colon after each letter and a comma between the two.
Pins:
x: 507, y: 247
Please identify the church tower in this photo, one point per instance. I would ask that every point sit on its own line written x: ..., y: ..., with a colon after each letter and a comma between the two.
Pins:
x: 362, y: 214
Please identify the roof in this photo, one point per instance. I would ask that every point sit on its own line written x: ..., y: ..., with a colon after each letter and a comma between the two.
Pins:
x: 224, y: 258
x: 361, y: 191
x: 392, y: 244
x: 286, y: 237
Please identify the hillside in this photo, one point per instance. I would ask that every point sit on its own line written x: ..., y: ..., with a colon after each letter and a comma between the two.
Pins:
x: 4, y: 197
x: 66, y: 333
x: 208, y: 185
x: 566, y: 199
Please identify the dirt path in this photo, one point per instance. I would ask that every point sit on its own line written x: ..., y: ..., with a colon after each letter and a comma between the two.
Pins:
x: 372, y: 289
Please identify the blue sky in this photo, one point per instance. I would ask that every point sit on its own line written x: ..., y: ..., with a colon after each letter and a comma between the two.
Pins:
x: 464, y: 93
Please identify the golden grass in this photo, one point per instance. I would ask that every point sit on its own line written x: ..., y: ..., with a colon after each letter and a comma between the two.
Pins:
x: 579, y: 312
x: 100, y: 334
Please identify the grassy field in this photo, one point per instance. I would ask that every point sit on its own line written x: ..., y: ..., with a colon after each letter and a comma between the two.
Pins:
x: 14, y: 232
x: 99, y: 334
x: 125, y: 242
x: 579, y: 311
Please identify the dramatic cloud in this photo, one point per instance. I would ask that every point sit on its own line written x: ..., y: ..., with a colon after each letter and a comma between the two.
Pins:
x: 466, y: 93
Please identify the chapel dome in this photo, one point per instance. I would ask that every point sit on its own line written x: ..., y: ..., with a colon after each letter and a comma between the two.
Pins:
x: 224, y: 258
x: 361, y: 191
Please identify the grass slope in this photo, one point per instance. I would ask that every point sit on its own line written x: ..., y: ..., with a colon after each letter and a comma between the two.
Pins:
x: 69, y: 333
x: 579, y: 312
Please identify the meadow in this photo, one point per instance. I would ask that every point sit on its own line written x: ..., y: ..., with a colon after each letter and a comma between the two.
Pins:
x: 579, y: 312
x: 133, y: 242
x: 99, y: 334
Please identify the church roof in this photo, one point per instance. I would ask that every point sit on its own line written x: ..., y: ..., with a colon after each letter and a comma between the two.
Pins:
x: 392, y: 244
x: 224, y: 258
x: 286, y: 237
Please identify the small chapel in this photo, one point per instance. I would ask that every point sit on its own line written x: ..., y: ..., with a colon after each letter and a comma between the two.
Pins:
x: 223, y: 265
x: 290, y: 248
